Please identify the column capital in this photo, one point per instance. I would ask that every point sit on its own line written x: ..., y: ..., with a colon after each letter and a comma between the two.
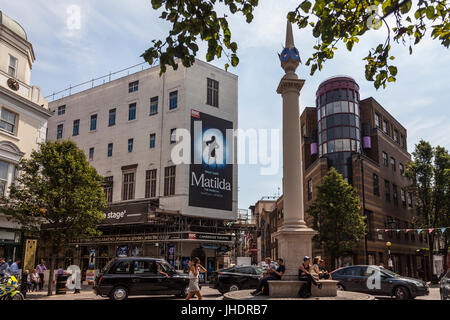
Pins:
x: 290, y: 85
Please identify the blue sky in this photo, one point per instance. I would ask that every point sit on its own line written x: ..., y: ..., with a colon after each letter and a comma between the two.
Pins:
x: 114, y: 33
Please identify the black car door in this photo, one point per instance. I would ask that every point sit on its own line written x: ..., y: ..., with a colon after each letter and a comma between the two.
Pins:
x: 245, y: 277
x: 119, y: 274
x: 146, y: 280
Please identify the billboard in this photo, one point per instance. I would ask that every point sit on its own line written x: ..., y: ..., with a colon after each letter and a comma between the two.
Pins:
x: 211, y: 169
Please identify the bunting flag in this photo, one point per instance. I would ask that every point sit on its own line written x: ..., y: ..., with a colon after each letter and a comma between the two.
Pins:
x: 430, y: 230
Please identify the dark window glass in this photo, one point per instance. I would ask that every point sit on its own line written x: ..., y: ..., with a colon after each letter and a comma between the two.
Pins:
x: 212, y: 93
x: 93, y: 126
x: 152, y: 140
x: 328, y: 96
x: 128, y: 186
x: 76, y: 127
x: 59, y: 131
x: 110, y: 150
x: 132, y: 111
x: 353, y: 133
x: 91, y: 154
x: 173, y: 138
x: 130, y: 145
x: 387, y: 190
x: 133, y: 86
x: 61, y: 110
x: 108, y: 188
x: 169, y: 181
x: 150, y: 183
x: 112, y: 117
x: 376, y: 187
x: 385, y: 159
x: 331, y: 134
x: 338, y: 133
x: 153, y: 105
x: 123, y: 267
x: 322, y: 99
x: 310, y: 189
x: 346, y: 132
x: 336, y: 95
x: 173, y: 100
x: 395, y: 194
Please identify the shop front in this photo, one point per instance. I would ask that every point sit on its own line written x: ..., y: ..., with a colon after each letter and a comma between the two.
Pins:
x: 10, y: 244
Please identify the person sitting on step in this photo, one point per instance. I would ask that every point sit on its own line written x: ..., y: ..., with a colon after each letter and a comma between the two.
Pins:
x: 274, y: 274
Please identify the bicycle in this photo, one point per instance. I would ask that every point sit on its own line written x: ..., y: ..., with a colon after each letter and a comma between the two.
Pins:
x: 10, y: 288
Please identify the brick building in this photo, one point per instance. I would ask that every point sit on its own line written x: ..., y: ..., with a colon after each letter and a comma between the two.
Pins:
x: 368, y: 147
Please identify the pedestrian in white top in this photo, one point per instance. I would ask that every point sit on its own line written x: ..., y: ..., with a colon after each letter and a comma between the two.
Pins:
x: 194, y: 269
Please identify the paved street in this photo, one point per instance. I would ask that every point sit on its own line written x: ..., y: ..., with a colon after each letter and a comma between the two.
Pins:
x: 208, y: 294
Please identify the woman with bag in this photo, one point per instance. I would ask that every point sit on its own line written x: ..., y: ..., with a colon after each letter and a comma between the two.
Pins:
x: 194, y: 270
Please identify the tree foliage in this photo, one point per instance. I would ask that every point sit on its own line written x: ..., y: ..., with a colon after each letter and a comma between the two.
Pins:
x: 429, y: 173
x: 57, y: 198
x: 331, y: 21
x: 336, y: 216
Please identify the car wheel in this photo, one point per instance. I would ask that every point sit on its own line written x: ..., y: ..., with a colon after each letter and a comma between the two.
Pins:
x: 184, y: 292
x: 233, y: 287
x: 340, y: 287
x: 401, y: 293
x: 119, y: 293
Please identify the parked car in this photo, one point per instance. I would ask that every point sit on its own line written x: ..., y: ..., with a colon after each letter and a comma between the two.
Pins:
x: 356, y: 278
x: 124, y: 277
x: 236, y: 278
x: 444, y: 286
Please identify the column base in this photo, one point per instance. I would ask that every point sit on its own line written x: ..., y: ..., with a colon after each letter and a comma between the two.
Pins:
x: 293, y: 245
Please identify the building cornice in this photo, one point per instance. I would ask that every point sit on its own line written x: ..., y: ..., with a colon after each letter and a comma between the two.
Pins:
x: 33, y: 106
x: 287, y: 85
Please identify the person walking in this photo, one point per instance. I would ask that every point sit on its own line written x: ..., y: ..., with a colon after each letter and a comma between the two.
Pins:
x: 195, y: 269
x: 304, y: 274
x: 40, y: 269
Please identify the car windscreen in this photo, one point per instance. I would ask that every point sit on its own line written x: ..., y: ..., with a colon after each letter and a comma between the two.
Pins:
x: 108, y: 265
x: 390, y: 273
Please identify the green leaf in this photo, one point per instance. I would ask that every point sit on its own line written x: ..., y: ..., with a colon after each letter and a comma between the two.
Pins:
x: 393, y: 70
x: 305, y: 6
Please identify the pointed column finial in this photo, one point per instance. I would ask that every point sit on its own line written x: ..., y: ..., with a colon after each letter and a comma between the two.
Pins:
x: 289, y: 36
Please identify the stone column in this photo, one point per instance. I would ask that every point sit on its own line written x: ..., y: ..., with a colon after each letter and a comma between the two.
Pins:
x: 294, y: 237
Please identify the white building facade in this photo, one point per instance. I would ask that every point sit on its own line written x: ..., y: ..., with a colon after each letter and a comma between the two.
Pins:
x: 127, y: 129
x: 23, y: 119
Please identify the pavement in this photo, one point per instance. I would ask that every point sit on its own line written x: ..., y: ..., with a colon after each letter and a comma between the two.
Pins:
x: 341, y: 295
x: 209, y: 293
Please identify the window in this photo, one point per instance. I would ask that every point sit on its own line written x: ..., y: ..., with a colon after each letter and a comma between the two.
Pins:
x: 91, y: 154
x: 396, y: 135
x: 8, y: 121
x: 393, y: 164
x: 395, y: 194
x: 128, y: 186
x: 402, y: 168
x: 212, y: 93
x: 385, y: 127
x: 108, y: 189
x: 61, y: 110
x: 133, y: 86
x: 173, y: 100
x: 132, y: 111
x: 93, y: 125
x: 403, y: 196
x: 387, y: 190
x: 169, y: 181
x: 410, y: 203
x: 3, y: 177
x: 304, y: 131
x: 385, y: 159
x: 377, y: 120
x: 376, y: 187
x: 123, y: 267
x: 110, y: 150
x: 310, y: 189
x: 59, y: 131
x: 76, y: 127
x: 152, y: 140
x: 403, y: 141
x: 150, y: 183
x: 112, y: 117
x: 12, y: 69
x: 130, y: 145
x: 153, y: 106
x: 173, y: 137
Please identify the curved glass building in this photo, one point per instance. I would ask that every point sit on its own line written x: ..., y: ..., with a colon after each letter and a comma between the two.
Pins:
x: 338, y: 130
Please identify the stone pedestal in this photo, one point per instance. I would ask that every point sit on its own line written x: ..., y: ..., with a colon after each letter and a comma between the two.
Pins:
x: 293, y: 245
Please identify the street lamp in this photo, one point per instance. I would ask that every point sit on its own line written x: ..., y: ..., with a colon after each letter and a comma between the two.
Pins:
x: 388, y: 245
